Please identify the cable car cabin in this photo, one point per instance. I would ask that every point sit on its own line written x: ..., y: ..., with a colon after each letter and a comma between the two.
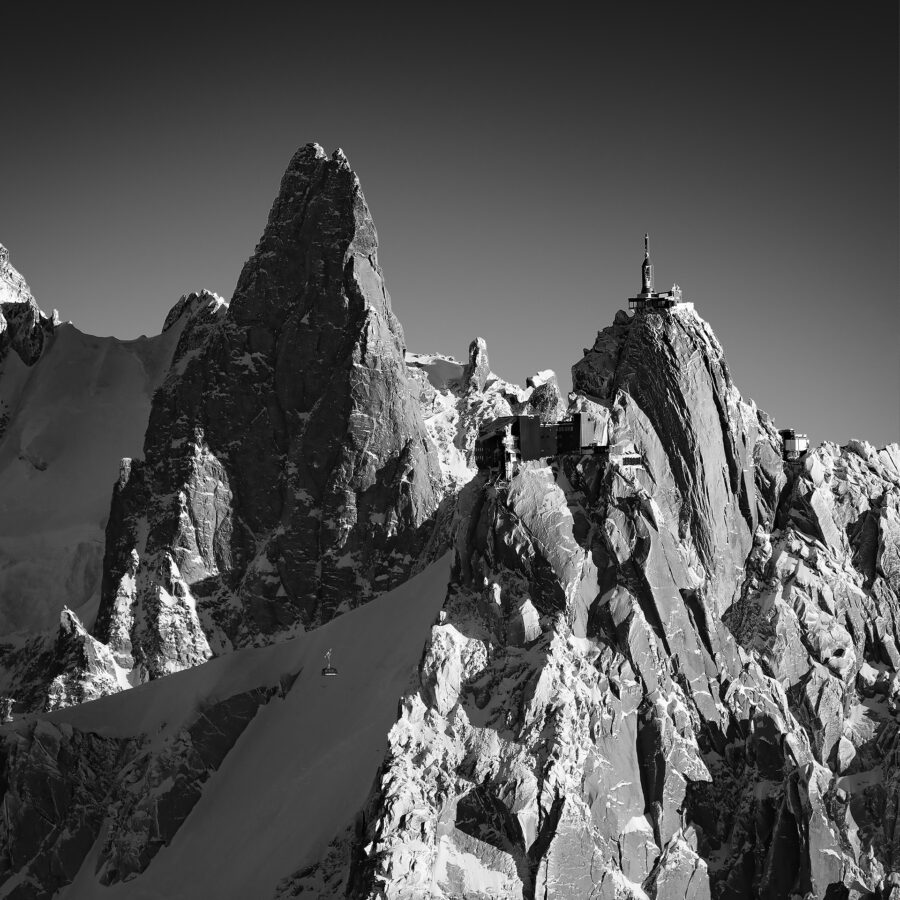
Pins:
x: 328, y: 670
x: 794, y: 445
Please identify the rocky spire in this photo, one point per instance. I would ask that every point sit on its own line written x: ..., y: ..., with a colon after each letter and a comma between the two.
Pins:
x: 722, y: 459
x: 302, y: 476
x: 23, y: 326
x: 478, y: 368
x: 647, y: 268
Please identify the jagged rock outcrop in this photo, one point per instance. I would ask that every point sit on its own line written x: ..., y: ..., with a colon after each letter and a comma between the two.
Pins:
x: 61, y: 443
x: 23, y: 327
x: 71, y: 405
x: 55, y: 780
x: 287, y: 473
x: 718, y: 454
x: 545, y: 401
x: 47, y: 670
x: 456, y: 399
x: 478, y: 369
x: 587, y: 723
x: 61, y: 784
x: 86, y: 667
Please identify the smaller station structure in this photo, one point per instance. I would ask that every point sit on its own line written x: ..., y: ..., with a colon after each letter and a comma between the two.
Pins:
x: 504, y: 443
x: 794, y: 445
x: 650, y: 299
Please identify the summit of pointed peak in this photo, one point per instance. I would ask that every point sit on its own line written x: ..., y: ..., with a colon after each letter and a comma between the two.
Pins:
x: 13, y: 287
x: 318, y: 216
x: 311, y: 151
x: 191, y: 304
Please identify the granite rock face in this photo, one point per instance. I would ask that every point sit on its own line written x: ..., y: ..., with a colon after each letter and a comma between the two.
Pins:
x: 61, y: 438
x: 545, y: 401
x: 158, y: 786
x: 722, y: 460
x: 55, y: 780
x: 61, y: 443
x: 23, y: 327
x: 71, y: 406
x: 287, y: 473
x: 63, y: 784
x: 456, y: 399
x: 85, y: 666
x: 669, y: 681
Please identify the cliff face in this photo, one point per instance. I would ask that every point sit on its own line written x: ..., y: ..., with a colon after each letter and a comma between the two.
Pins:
x: 655, y: 681
x: 287, y: 475
x: 717, y: 456
x: 73, y: 404
x: 23, y: 327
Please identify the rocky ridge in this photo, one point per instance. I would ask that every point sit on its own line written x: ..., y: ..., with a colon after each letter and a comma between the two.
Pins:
x: 59, y: 449
x: 287, y: 473
x: 23, y: 327
x: 282, y: 522
x: 63, y: 784
x: 672, y: 681
x: 457, y: 398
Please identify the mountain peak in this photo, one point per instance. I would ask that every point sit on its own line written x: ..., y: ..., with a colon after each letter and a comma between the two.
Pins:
x: 13, y: 287
x: 296, y: 404
x: 191, y: 304
x: 23, y: 326
x: 666, y: 372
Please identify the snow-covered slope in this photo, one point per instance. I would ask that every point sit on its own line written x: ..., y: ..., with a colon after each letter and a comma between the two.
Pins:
x: 67, y: 421
x: 293, y: 780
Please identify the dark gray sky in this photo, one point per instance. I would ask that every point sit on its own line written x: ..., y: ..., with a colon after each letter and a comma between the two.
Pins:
x: 512, y: 162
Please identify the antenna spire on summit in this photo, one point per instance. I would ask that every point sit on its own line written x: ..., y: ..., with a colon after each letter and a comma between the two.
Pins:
x: 646, y: 270
x: 650, y: 299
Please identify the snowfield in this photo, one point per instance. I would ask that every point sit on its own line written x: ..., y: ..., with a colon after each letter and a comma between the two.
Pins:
x: 72, y: 416
x: 302, y: 768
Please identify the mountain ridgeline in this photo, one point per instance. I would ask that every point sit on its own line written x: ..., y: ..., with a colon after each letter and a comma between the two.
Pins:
x: 286, y: 472
x: 672, y: 679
